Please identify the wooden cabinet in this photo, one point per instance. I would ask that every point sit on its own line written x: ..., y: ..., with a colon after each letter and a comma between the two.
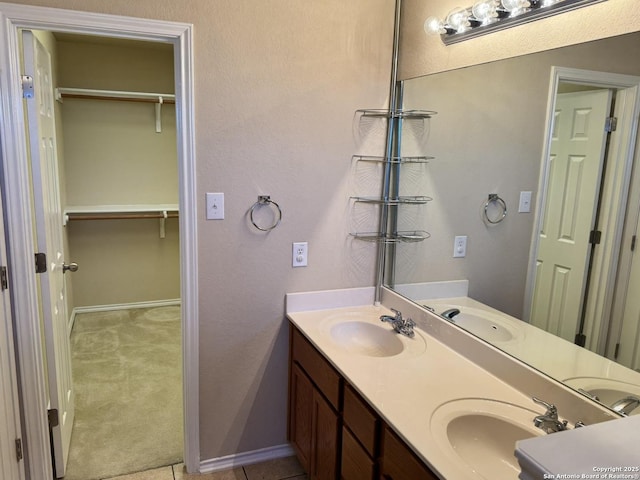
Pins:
x: 335, y: 433
x: 314, y: 401
x: 399, y: 462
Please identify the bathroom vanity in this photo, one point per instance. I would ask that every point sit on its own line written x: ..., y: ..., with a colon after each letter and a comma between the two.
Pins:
x: 366, y: 402
x: 334, y: 431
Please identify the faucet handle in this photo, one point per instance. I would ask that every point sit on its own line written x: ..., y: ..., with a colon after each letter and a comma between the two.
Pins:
x: 552, y: 411
x: 398, y: 313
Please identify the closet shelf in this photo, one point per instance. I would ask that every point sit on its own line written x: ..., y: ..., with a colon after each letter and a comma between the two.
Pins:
x: 394, y: 160
x: 412, y: 200
x: 116, y: 95
x: 122, y: 212
x: 391, y: 238
x: 91, y: 94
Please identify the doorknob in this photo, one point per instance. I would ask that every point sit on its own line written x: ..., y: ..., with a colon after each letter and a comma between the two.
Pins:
x: 72, y: 267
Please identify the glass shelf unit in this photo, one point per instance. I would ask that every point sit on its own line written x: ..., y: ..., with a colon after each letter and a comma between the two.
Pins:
x: 409, y: 200
x: 398, y: 237
x: 395, y: 160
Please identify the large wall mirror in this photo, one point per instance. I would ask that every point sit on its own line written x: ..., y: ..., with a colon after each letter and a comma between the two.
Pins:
x: 534, y: 123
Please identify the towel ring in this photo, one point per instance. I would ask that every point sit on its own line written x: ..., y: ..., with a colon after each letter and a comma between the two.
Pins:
x: 494, y: 198
x: 265, y: 200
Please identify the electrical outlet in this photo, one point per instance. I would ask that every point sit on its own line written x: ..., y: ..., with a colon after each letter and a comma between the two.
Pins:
x: 460, y: 246
x: 300, y: 250
x: 215, y: 206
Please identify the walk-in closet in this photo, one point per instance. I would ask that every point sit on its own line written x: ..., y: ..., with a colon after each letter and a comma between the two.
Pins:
x: 118, y: 188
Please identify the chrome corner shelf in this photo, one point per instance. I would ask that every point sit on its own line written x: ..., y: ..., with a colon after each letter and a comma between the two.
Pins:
x: 404, y: 114
x: 391, y: 238
x: 394, y: 160
x: 408, y: 200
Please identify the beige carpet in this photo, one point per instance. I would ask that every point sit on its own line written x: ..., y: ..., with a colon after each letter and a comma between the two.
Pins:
x: 127, y: 373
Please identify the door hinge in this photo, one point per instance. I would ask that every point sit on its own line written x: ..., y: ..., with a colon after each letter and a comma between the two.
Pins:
x: 616, y: 351
x: 27, y: 86
x: 18, y: 449
x: 594, y: 237
x: 4, y: 281
x: 41, y: 262
x: 633, y: 243
x: 54, y: 420
x: 610, y: 124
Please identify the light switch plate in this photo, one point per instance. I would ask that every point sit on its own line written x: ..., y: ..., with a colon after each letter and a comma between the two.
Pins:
x: 215, y: 206
x: 525, y: 202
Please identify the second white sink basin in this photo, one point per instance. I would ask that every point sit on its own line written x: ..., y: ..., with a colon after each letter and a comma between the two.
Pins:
x: 482, y: 434
x: 608, y: 391
x: 483, y: 324
x: 367, y: 335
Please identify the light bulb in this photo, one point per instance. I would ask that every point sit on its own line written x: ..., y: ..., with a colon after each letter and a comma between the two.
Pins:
x: 458, y: 20
x: 485, y: 11
x: 515, y: 7
x: 434, y: 26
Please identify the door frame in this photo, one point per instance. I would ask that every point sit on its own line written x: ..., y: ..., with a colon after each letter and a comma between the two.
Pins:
x: 20, y: 231
x: 622, y: 147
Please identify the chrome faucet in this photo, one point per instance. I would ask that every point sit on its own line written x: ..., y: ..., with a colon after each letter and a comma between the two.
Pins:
x: 400, y: 325
x: 450, y: 313
x: 625, y: 405
x: 549, y: 422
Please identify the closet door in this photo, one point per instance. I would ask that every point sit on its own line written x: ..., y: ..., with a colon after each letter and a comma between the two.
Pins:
x: 48, y: 213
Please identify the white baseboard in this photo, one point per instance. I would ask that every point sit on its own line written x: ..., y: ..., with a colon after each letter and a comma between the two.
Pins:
x: 246, y: 458
x: 120, y: 306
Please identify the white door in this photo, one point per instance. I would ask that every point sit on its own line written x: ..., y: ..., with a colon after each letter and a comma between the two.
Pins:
x: 11, y: 467
x: 44, y: 165
x: 575, y: 165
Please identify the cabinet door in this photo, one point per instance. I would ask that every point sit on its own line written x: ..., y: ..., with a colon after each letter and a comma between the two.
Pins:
x: 325, y: 444
x: 399, y: 462
x: 356, y: 464
x: 300, y: 418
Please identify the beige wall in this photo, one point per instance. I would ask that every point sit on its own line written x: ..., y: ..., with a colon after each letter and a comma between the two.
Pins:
x: 487, y: 138
x: 277, y: 84
x: 422, y: 54
x: 114, y: 156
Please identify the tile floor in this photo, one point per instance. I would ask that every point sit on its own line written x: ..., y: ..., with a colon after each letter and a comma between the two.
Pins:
x: 279, y: 469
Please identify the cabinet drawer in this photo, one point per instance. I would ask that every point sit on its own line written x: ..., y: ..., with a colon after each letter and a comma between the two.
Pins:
x: 326, y: 378
x: 361, y: 420
x: 356, y: 464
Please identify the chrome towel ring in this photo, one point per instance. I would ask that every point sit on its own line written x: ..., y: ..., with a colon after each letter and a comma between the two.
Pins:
x: 262, y: 201
x: 501, y: 205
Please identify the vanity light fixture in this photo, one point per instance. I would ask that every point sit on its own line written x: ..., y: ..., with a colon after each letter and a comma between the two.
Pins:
x: 486, y: 16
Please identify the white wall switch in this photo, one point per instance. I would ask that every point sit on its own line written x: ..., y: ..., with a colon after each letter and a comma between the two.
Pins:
x: 300, y: 250
x: 525, y: 202
x: 460, y: 246
x: 215, y: 206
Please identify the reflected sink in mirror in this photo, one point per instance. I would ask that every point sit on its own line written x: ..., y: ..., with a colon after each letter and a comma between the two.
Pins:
x: 607, y: 391
x: 483, y: 324
x: 366, y: 335
x: 482, y: 434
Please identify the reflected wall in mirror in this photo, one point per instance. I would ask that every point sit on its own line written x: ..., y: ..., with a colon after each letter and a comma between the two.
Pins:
x: 490, y: 136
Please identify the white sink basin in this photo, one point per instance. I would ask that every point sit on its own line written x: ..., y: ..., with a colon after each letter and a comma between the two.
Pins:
x: 484, y: 324
x: 607, y: 390
x: 366, y: 335
x: 482, y: 434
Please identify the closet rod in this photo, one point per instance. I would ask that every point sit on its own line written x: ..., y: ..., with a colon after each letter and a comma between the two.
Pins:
x: 89, y: 94
x: 120, y: 216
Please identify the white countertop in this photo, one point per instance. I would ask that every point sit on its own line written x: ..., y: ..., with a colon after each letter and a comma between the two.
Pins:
x: 573, y: 365
x: 406, y: 389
